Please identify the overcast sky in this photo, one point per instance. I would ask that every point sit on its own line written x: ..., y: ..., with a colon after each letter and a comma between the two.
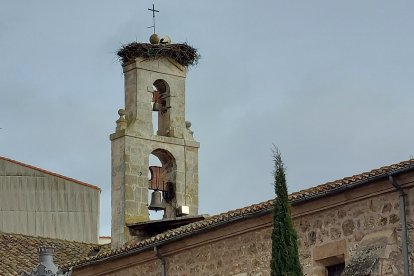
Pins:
x: 329, y: 82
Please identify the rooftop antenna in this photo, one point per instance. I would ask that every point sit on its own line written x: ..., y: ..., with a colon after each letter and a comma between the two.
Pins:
x: 153, y: 16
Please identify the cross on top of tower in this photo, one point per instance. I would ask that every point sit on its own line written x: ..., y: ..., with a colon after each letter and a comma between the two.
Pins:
x: 153, y: 17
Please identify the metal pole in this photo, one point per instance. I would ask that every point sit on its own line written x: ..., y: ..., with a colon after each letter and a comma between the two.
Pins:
x: 403, y: 221
x: 162, y: 259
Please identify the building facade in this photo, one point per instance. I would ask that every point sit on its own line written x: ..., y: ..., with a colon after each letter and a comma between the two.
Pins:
x: 40, y: 203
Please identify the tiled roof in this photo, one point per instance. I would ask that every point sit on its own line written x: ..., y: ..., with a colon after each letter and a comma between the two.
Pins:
x: 340, y: 184
x: 19, y: 252
x: 50, y: 173
x: 245, y: 212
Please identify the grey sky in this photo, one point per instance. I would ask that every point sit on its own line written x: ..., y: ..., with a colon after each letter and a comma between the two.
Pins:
x: 330, y: 82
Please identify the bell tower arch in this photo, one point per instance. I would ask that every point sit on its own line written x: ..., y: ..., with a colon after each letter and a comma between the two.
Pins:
x: 152, y: 85
x: 161, y: 105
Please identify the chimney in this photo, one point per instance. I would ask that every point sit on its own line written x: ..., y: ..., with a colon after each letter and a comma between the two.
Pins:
x: 46, y: 266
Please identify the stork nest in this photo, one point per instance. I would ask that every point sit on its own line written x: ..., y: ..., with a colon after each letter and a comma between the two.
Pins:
x: 181, y: 53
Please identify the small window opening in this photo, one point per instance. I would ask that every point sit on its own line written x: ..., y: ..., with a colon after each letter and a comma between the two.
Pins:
x: 335, y: 270
x: 334, y: 264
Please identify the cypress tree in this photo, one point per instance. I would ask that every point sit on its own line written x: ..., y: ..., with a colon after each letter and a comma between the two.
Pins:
x: 285, y: 257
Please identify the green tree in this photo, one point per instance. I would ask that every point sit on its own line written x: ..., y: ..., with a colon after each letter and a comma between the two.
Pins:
x: 285, y: 258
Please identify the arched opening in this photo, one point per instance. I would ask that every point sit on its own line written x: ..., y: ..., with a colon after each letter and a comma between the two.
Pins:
x: 153, y: 162
x: 161, y: 179
x: 161, y: 107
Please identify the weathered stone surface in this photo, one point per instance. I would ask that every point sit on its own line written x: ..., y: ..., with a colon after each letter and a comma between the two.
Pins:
x: 135, y: 141
x: 386, y: 208
x: 373, y: 256
x: 382, y: 221
x: 369, y: 222
x: 375, y: 205
x: 358, y: 236
x: 394, y: 218
x: 317, y: 224
x: 311, y: 238
x: 353, y: 222
x: 335, y: 233
x: 357, y: 212
x: 341, y: 213
x: 348, y: 227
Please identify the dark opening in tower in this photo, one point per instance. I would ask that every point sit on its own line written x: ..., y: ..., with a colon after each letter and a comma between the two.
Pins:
x: 161, y: 107
x: 161, y: 184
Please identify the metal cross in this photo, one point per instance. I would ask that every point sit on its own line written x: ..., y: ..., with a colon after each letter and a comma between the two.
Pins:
x: 153, y: 17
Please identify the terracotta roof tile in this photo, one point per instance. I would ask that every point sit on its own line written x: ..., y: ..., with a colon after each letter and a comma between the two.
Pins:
x: 330, y: 186
x: 19, y: 252
x: 254, y: 209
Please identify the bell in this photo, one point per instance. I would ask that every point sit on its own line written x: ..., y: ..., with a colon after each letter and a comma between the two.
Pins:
x: 156, y: 107
x: 156, y: 201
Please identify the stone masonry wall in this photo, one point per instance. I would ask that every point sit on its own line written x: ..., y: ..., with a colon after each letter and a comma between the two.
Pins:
x: 410, y: 222
x: 349, y: 223
x: 323, y: 236
x: 233, y: 256
x: 248, y: 252
x: 151, y: 268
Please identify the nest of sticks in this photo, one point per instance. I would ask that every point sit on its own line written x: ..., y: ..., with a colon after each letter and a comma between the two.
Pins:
x: 181, y: 53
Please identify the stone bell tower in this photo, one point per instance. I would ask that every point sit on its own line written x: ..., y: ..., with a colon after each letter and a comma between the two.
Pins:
x: 153, y: 86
